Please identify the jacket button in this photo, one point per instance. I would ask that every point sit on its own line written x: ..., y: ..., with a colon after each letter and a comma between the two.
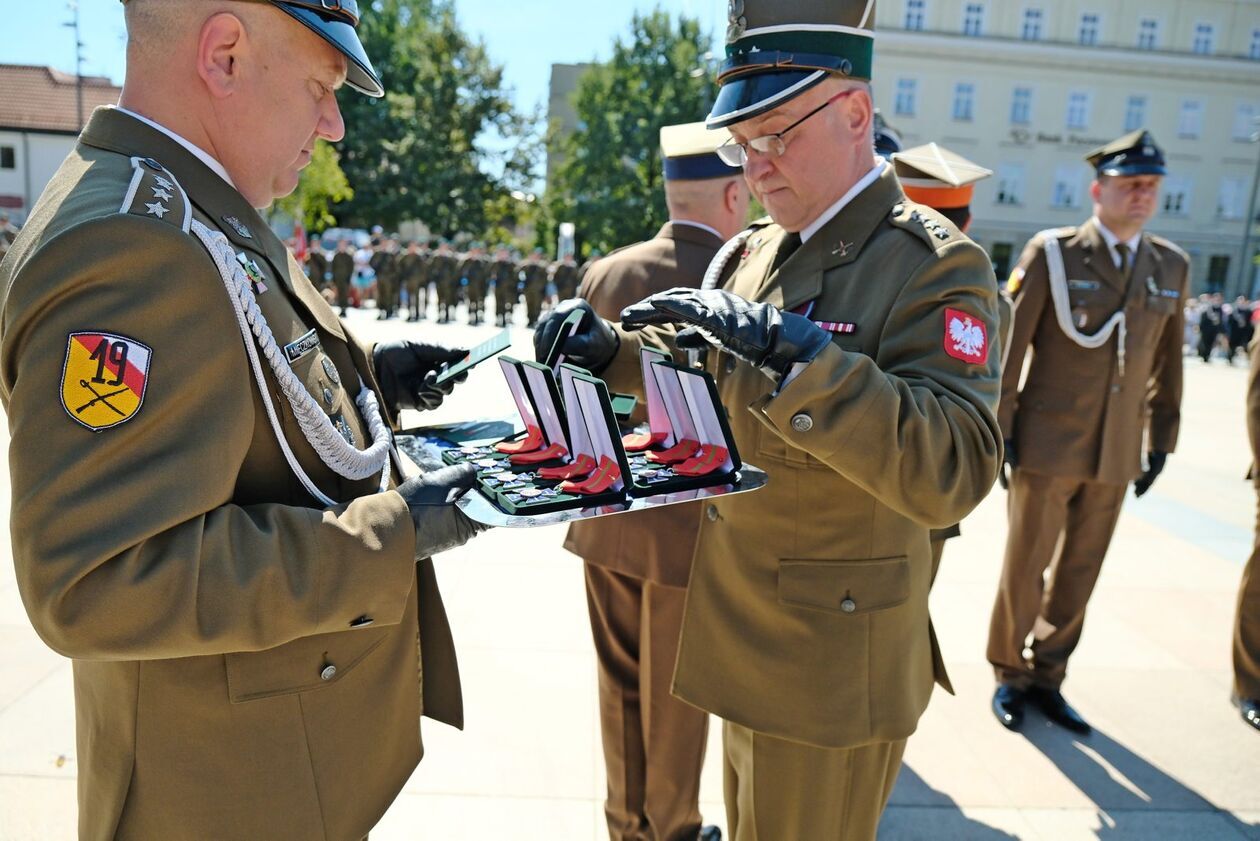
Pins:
x: 362, y: 622
x: 848, y: 605
x: 329, y: 672
x: 328, y: 397
x: 802, y: 423
x: 711, y: 513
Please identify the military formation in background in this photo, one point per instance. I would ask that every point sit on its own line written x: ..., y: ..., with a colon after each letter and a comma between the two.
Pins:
x: 401, y: 277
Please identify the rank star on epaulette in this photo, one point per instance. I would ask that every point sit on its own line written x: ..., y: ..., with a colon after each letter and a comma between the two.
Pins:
x: 157, y: 209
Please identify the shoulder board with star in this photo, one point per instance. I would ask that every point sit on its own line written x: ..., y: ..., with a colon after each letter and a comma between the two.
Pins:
x: 155, y: 194
x: 1169, y: 245
x: 924, y: 222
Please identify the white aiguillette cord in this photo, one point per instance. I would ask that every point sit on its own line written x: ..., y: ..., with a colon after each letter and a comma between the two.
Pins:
x: 335, y: 451
x: 1118, y: 323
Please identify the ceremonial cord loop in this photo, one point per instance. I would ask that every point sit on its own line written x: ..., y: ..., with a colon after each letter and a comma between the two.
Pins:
x: 336, y: 452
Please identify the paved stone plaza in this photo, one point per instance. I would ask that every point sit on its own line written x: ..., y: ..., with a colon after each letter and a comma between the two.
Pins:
x: 1169, y: 758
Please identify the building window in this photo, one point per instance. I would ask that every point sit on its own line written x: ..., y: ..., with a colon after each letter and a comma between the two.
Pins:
x: 1033, y: 19
x: 1078, y: 110
x: 1148, y: 34
x: 1190, y: 125
x: 1218, y: 271
x: 964, y: 101
x: 1245, y: 122
x: 1231, y: 199
x: 1021, y: 107
x: 1135, y: 113
x: 906, y: 95
x: 915, y: 14
x: 1067, y: 187
x: 1254, y: 52
x: 1089, y: 29
x: 1010, y: 184
x: 8, y: 157
x: 973, y: 19
x: 1204, y: 38
x: 1176, y: 196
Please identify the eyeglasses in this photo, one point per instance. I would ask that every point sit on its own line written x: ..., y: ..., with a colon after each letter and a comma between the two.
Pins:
x: 734, y: 153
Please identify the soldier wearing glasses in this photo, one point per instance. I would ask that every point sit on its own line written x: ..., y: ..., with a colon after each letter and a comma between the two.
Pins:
x: 853, y: 339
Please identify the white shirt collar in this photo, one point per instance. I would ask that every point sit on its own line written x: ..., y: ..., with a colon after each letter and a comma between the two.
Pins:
x: 699, y: 225
x: 201, y: 154
x: 1112, y: 241
x: 830, y: 213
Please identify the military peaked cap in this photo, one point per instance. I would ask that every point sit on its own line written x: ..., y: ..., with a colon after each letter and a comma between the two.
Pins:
x: 690, y: 153
x: 1133, y: 154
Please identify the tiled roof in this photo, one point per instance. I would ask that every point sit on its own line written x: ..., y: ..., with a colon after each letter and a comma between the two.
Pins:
x: 37, y: 98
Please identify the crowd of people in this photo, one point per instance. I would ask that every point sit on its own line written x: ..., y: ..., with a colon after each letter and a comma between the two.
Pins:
x: 1218, y: 329
x: 401, y: 277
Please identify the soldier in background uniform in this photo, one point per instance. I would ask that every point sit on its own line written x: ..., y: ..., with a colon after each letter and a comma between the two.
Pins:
x: 444, y: 271
x: 317, y: 263
x: 564, y: 274
x: 1100, y: 306
x: 238, y: 593
x: 505, y: 273
x: 413, y: 273
x: 343, y: 274
x: 476, y: 270
x: 534, y: 271
x: 1246, y: 693
x: 944, y: 181
x: 857, y: 353
x: 637, y: 566
x: 385, y: 263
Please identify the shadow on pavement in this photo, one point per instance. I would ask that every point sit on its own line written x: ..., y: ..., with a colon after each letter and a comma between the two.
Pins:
x: 919, y: 811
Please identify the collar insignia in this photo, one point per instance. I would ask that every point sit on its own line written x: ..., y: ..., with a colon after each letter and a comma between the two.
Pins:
x: 235, y: 224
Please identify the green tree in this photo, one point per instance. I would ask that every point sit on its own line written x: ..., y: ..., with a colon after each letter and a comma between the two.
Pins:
x: 415, y: 154
x: 323, y: 184
x: 609, y: 179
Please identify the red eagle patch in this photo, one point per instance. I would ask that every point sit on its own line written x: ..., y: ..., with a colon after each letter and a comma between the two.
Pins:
x: 966, y: 337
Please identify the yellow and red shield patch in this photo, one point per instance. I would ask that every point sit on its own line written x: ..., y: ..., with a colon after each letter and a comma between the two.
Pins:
x: 104, y: 379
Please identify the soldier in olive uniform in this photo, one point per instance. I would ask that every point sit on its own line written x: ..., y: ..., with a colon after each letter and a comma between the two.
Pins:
x: 317, y: 263
x: 856, y: 350
x: 1247, y: 624
x: 1100, y: 307
x: 343, y: 274
x: 385, y: 263
x: 534, y: 278
x: 564, y: 274
x: 444, y: 271
x: 637, y: 566
x: 412, y: 272
x: 506, y: 278
x: 237, y: 590
x: 476, y: 270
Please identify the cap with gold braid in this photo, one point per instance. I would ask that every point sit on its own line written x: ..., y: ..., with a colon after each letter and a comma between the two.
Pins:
x: 335, y: 21
x: 1133, y: 154
x: 690, y: 153
x: 778, y: 49
x: 941, y: 179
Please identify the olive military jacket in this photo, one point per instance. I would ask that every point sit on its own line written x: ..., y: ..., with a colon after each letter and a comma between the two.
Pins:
x: 342, y: 264
x: 1076, y: 415
x: 245, y: 660
x: 654, y: 545
x: 807, y: 610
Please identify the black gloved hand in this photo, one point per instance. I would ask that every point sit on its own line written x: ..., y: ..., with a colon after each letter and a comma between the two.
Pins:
x: 1154, y: 466
x: 591, y: 346
x: 407, y: 372
x: 1009, y: 463
x: 759, y: 334
x: 431, y: 498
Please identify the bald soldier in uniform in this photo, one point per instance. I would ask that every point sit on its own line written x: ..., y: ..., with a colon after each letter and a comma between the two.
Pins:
x: 1246, y: 693
x: 1100, y: 307
x: 244, y: 590
x: 857, y: 360
x: 637, y: 566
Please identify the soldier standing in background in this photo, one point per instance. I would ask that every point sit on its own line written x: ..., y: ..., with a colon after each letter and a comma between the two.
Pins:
x: 343, y: 274
x: 564, y: 274
x: 506, y: 278
x: 1246, y: 693
x: 317, y: 263
x: 476, y: 270
x: 385, y: 263
x: 637, y: 565
x: 443, y: 270
x: 1100, y: 306
x: 535, y: 279
x: 412, y: 271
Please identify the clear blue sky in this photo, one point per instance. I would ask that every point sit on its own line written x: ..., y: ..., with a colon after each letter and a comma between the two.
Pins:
x: 525, y: 36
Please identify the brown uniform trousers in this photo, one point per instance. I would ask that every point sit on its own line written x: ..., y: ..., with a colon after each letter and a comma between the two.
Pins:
x: 807, y: 608
x: 1247, y: 626
x: 637, y: 567
x: 228, y: 632
x: 1078, y: 424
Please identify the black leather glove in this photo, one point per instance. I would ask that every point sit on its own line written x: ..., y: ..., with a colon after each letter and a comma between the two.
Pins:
x: 591, y: 346
x: 759, y: 334
x: 407, y: 372
x: 1154, y: 466
x: 1009, y: 463
x: 431, y: 498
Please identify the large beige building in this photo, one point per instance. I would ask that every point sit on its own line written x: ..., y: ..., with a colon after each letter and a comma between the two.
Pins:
x: 1027, y: 87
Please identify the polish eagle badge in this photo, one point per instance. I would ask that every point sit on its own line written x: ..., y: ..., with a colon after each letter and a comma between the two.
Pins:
x: 966, y: 337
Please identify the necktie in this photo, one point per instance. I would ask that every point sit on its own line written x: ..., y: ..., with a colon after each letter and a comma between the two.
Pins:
x: 1126, y: 266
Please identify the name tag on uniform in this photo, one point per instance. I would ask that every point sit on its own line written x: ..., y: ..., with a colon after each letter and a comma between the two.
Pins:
x: 298, y: 348
x: 1084, y: 285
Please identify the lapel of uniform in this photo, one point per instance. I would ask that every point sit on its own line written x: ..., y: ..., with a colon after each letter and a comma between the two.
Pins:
x: 1098, y: 257
x: 1147, y: 269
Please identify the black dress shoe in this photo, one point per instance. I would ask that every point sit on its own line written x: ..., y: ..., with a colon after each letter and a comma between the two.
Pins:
x: 1008, y: 706
x: 1250, y: 709
x: 1055, y: 708
x: 710, y: 833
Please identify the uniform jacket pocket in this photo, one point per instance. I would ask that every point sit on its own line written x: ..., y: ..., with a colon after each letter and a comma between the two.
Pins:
x: 299, y: 666
x: 844, y: 586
